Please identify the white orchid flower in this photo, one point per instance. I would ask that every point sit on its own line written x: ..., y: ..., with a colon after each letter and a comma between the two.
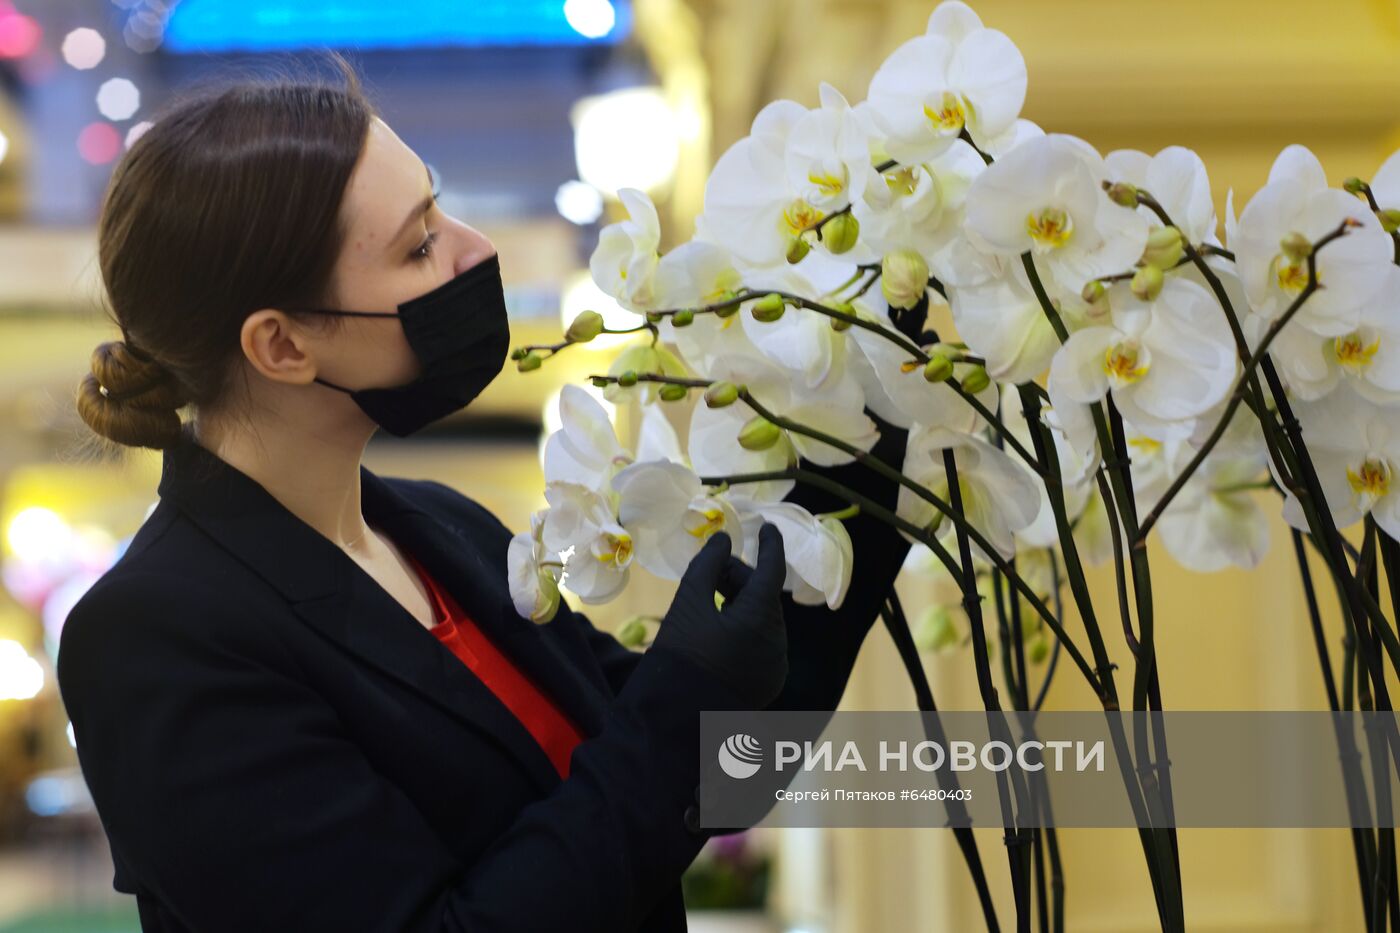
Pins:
x: 695, y: 274
x: 1368, y: 357
x: 585, y: 450
x: 533, y: 573
x: 1385, y: 186
x: 1177, y: 178
x: 1215, y: 521
x: 801, y: 342
x: 1352, y: 269
x: 1045, y: 196
x: 1355, y: 445
x: 920, y: 207
x: 1011, y: 137
x: 671, y: 514
x: 749, y: 205
x: 957, y: 75
x: 581, y: 522
x: 1168, y: 361
x: 1001, y: 320
x: 625, y: 260
x: 998, y: 497
x: 817, y: 549
x: 827, y: 156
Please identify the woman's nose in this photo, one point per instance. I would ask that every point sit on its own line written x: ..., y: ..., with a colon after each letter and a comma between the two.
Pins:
x: 478, y: 249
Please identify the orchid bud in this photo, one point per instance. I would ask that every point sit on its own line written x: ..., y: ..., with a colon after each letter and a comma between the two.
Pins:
x: 720, y: 394
x: 797, y: 250
x: 759, y: 433
x: 1390, y: 219
x: 1296, y: 247
x: 1354, y: 185
x: 768, y: 308
x: 1095, y: 295
x: 938, y: 368
x: 601, y: 382
x: 845, y: 307
x: 935, y: 630
x: 585, y: 327
x: 683, y: 318
x: 632, y: 632
x: 976, y: 379
x: 840, y: 233
x: 1123, y: 194
x: 673, y: 392
x: 654, y: 317
x: 1164, y: 247
x: 518, y: 353
x: 1039, y: 648
x: 529, y: 361
x: 627, y: 378
x: 1147, y: 282
x: 903, y: 278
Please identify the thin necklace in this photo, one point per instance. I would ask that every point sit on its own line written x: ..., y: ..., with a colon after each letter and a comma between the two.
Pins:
x: 359, y: 539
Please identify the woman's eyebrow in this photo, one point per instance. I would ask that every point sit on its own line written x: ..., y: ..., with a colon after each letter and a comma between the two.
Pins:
x: 419, y: 210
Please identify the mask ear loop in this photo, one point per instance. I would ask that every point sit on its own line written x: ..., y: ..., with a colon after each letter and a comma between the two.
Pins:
x: 339, y: 313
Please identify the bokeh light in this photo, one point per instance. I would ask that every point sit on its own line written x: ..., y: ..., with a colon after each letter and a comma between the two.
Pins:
x: 579, y: 202
x: 99, y: 143
x: 118, y: 99
x: 21, y: 677
x: 591, y: 19
x: 84, y: 48
x: 625, y: 139
x: 19, y: 35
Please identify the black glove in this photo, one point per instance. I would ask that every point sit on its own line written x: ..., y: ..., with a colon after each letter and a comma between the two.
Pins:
x: 744, y: 643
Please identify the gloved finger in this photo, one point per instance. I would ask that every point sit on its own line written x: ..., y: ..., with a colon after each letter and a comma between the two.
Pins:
x: 767, y: 577
x: 736, y: 573
x: 703, y: 572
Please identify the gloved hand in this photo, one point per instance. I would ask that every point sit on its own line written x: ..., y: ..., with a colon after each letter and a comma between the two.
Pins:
x: 744, y: 643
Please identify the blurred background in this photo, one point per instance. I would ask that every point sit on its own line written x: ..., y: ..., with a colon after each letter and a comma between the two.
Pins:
x: 532, y: 113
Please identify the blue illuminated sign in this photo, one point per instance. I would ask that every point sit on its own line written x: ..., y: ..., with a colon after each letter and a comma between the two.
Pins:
x: 250, y: 25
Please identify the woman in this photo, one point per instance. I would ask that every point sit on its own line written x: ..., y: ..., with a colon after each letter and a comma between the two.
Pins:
x: 273, y: 735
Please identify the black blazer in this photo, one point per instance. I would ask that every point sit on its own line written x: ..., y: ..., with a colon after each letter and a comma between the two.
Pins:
x: 274, y: 743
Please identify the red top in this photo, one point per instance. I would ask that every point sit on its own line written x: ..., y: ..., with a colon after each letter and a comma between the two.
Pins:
x: 549, y: 725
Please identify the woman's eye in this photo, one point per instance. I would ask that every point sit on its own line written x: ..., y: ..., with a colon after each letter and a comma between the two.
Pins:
x: 426, y: 250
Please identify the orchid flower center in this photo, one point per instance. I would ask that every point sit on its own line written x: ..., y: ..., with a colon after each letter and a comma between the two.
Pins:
x: 948, y: 115
x: 1050, y: 229
x: 1292, y: 276
x: 613, y: 548
x: 799, y: 215
x: 903, y: 181
x: 1125, y: 363
x: 703, y: 522
x: 830, y: 178
x: 1353, y: 352
x: 1370, y: 481
x: 1147, y: 446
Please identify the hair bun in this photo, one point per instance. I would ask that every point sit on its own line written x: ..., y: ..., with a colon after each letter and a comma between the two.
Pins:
x: 130, y: 397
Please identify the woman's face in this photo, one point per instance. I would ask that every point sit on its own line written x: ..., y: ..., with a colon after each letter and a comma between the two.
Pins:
x: 399, y: 245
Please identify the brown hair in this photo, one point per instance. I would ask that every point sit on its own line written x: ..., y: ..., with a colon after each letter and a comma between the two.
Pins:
x: 228, y: 203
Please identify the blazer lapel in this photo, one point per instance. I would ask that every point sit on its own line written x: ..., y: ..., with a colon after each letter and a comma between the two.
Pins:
x: 336, y: 597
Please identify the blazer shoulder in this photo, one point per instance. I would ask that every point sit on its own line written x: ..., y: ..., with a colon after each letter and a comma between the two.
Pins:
x: 462, y: 512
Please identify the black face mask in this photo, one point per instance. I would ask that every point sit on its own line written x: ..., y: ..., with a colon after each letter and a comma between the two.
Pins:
x: 460, y: 335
